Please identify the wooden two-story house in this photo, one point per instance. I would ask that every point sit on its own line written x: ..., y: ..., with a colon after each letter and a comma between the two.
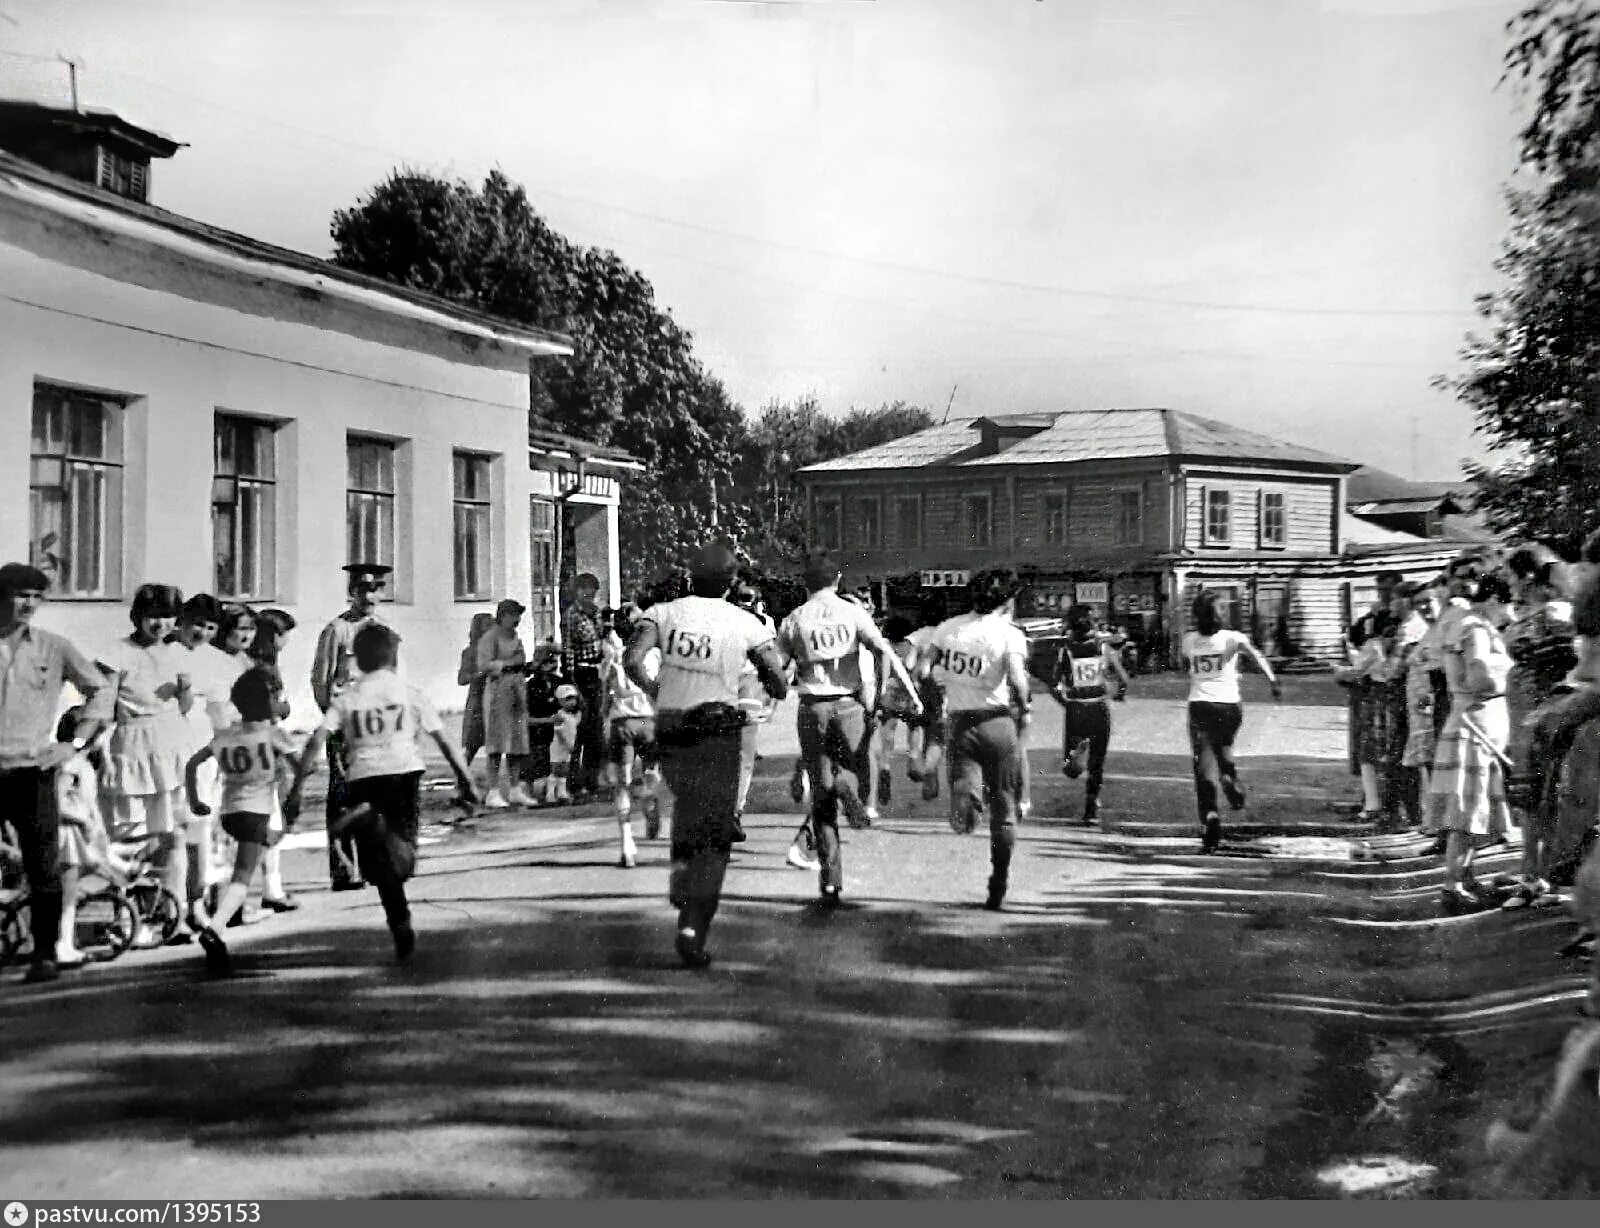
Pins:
x: 1127, y: 511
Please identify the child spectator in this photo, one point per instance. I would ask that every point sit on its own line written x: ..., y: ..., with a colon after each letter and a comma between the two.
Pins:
x: 380, y: 717
x: 247, y: 755
x: 272, y: 632
x: 84, y: 845
x: 630, y: 734
x: 568, y: 717
x: 543, y: 708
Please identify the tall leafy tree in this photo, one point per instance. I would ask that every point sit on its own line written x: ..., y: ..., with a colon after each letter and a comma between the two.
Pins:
x: 1533, y: 370
x: 633, y: 381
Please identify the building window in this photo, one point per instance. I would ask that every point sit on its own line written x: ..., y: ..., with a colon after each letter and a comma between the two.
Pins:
x: 1274, y: 519
x: 1129, y: 527
x: 244, y: 515
x: 471, y: 505
x: 369, y: 501
x: 1055, y: 520
x: 124, y: 176
x: 908, y: 520
x: 75, y: 491
x: 1219, y: 517
x: 976, y: 521
x: 826, y: 533
x: 869, y: 522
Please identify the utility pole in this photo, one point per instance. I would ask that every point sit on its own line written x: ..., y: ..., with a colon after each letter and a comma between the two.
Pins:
x: 949, y: 403
x: 72, y: 76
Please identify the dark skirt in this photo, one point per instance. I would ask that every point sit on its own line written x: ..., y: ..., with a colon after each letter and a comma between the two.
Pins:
x: 1380, y: 722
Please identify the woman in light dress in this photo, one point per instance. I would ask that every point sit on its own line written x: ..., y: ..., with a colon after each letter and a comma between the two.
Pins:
x: 502, y: 660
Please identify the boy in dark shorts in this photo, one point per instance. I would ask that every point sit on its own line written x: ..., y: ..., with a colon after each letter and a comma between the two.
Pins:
x: 379, y: 717
x: 248, y: 755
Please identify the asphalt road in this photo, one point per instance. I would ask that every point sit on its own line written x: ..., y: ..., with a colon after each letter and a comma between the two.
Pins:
x: 1141, y: 1022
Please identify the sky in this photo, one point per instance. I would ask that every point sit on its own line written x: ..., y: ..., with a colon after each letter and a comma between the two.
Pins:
x: 1277, y: 213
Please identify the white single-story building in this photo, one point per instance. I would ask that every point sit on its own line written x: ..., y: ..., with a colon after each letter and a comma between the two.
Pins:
x: 185, y: 405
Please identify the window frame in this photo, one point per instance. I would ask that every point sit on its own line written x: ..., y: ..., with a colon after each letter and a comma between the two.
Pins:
x: 968, y: 501
x: 1281, y: 541
x: 1118, y: 495
x: 901, y: 502
x: 1207, y: 495
x: 865, y: 540
x: 835, y: 539
x: 391, y: 448
x: 1050, y: 503
x: 234, y: 484
x: 53, y: 470
x: 481, y: 508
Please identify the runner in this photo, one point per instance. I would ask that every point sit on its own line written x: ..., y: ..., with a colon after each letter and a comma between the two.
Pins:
x: 247, y: 756
x: 823, y: 639
x: 753, y: 698
x: 704, y: 642
x: 1211, y: 654
x: 630, y: 734
x: 981, y: 659
x: 1085, y: 661
x: 330, y: 673
x: 379, y: 717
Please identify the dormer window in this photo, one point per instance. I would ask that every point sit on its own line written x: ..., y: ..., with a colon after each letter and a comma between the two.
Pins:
x: 125, y: 176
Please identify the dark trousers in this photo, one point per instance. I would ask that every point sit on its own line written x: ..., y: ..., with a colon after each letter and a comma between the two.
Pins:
x: 986, y: 766
x: 1088, y: 721
x: 27, y: 802
x: 1212, y: 729
x: 701, y: 768
x: 589, y: 749
x: 387, y: 851
x: 833, y: 747
x: 339, y: 867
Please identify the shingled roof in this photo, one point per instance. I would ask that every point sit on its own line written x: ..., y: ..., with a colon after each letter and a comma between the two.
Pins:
x: 1082, y: 435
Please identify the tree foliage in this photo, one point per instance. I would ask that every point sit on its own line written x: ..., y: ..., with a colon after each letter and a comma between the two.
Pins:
x: 1533, y: 369
x: 633, y: 381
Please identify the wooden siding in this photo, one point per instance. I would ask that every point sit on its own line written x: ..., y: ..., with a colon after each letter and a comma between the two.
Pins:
x: 1308, y: 512
x: 943, y: 539
x: 1091, y: 504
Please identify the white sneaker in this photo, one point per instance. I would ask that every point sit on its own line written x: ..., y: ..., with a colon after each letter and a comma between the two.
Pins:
x: 800, y: 861
x: 519, y: 797
x: 872, y: 813
x: 496, y: 800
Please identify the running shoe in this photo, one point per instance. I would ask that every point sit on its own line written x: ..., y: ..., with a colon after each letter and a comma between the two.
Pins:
x: 519, y: 797
x: 1211, y: 833
x: 855, y: 811
x: 965, y: 814
x: 218, y: 962
x: 496, y: 800
x: 997, y: 894
x: 738, y: 829
x: 830, y: 897
x: 1234, y: 791
x: 800, y: 861
x: 287, y: 904
x: 690, y: 949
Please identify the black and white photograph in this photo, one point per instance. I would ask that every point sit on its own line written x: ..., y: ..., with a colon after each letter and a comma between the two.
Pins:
x: 920, y: 600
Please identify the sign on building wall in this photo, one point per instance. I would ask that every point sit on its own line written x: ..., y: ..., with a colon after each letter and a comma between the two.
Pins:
x: 946, y: 579
x: 1093, y: 594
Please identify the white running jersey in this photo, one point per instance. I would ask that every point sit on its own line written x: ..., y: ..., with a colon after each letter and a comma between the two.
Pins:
x: 971, y: 664
x: 247, y: 758
x: 629, y: 702
x: 1214, y: 665
x: 380, y: 717
x: 704, y: 643
x: 824, y: 638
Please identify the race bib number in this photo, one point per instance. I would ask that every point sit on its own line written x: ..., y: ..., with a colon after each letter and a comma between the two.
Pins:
x: 374, y: 724
x: 1087, y: 671
x: 830, y: 641
x: 1206, y: 663
x: 245, y: 758
x: 963, y: 664
x: 687, y: 648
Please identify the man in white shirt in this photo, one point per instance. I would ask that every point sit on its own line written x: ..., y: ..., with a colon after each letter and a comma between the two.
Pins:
x: 981, y: 661
x: 704, y: 642
x: 823, y: 639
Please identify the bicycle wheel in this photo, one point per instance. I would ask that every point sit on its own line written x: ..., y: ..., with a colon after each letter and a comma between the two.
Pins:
x: 107, y: 923
x: 156, y: 907
x: 16, y: 931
